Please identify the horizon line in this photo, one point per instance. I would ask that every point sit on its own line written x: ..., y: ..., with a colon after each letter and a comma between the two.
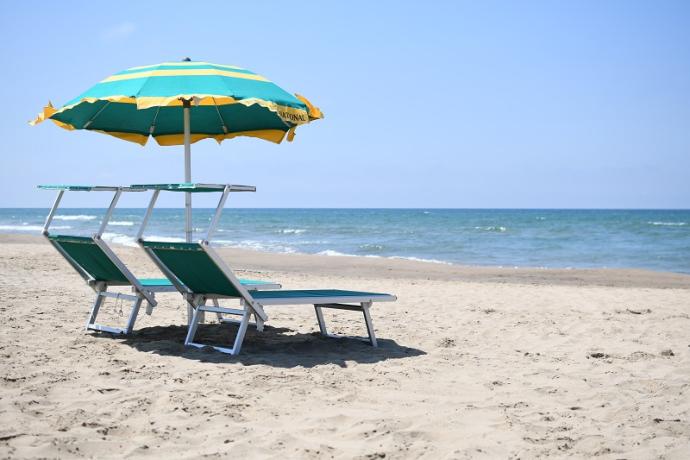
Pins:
x: 381, y: 208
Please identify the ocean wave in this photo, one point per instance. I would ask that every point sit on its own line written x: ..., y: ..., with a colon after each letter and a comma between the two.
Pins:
x: 332, y: 253
x: 419, y: 259
x: 119, y: 238
x: 164, y: 239
x: 669, y: 224
x: 273, y: 247
x: 276, y: 247
x: 262, y: 246
x: 371, y: 247
x: 77, y: 217
x: 492, y: 228
x: 291, y: 231
x: 121, y: 223
x: 30, y: 228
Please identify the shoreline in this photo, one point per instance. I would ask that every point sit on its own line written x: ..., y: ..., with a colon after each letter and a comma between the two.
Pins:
x: 391, y: 268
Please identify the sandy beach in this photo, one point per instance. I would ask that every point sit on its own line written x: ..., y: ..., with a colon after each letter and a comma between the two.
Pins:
x: 472, y: 363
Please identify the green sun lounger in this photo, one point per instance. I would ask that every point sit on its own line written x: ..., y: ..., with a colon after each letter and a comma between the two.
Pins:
x: 101, y: 268
x: 200, y: 274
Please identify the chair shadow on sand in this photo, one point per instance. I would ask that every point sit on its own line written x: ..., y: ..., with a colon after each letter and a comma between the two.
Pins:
x: 275, y: 346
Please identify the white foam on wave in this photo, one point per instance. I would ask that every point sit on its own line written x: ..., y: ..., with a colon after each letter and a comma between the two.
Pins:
x: 77, y: 217
x: 121, y: 223
x: 419, y: 259
x: 119, y: 238
x: 254, y: 245
x: 292, y: 231
x: 371, y: 247
x: 669, y: 224
x: 30, y: 228
x: 272, y: 247
x: 164, y: 239
x: 492, y: 228
x: 332, y: 253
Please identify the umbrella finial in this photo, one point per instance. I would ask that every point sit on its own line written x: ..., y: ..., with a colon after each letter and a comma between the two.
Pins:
x: 186, y: 60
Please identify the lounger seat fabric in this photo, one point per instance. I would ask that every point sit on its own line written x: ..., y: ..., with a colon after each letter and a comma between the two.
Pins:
x: 97, y: 264
x: 150, y: 282
x: 159, y: 282
x: 312, y: 293
x: 90, y: 257
x: 191, y: 265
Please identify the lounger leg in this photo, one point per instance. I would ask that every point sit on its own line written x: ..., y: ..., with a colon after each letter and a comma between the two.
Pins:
x: 363, y: 307
x: 202, y: 314
x: 133, y: 315
x: 320, y: 320
x: 370, y: 325
x: 218, y: 315
x: 191, y: 330
x: 101, y: 294
x: 190, y: 314
x: 240, y: 333
x: 237, y: 345
x: 94, y: 310
x: 259, y: 323
x: 192, y: 305
x: 149, y: 307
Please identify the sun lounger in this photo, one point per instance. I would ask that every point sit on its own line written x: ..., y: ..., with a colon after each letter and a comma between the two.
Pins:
x: 100, y: 267
x: 188, y: 187
x: 200, y: 274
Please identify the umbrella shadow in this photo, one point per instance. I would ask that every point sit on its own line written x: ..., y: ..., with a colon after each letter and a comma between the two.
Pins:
x: 275, y: 346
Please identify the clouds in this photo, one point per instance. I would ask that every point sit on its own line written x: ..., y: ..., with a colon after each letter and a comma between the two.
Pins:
x: 118, y: 32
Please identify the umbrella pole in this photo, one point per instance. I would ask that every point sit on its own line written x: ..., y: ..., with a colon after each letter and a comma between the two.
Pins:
x: 187, y: 172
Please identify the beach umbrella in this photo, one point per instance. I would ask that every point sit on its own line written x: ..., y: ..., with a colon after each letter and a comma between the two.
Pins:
x: 179, y: 103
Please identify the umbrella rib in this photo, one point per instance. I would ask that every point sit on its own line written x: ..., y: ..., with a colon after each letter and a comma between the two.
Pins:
x: 88, y: 123
x: 222, y: 122
x: 152, y: 128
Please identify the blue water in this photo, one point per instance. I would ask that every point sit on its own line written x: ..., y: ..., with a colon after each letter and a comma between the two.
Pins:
x: 652, y: 239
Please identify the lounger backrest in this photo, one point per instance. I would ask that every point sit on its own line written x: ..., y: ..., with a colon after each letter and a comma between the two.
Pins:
x: 92, y: 260
x: 193, y: 267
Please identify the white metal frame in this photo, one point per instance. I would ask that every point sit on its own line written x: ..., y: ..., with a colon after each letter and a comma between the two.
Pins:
x: 190, y: 187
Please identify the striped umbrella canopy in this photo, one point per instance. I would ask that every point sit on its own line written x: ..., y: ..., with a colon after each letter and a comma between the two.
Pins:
x: 179, y: 103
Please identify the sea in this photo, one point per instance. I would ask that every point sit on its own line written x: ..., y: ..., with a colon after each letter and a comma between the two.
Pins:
x: 648, y: 239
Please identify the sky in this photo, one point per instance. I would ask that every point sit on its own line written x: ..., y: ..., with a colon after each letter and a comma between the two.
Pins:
x: 530, y: 104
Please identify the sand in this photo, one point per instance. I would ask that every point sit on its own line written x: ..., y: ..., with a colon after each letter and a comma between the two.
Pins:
x: 472, y: 363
